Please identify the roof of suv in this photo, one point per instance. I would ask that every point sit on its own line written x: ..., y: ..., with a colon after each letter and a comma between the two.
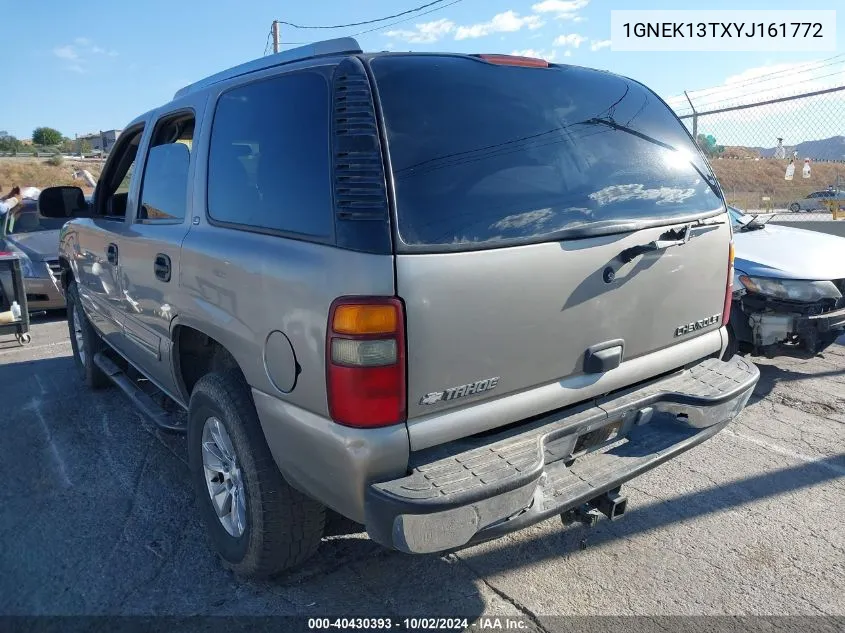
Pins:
x: 340, y: 46
x: 327, y: 48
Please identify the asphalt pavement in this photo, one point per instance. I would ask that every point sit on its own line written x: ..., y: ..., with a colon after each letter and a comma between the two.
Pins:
x: 97, y: 517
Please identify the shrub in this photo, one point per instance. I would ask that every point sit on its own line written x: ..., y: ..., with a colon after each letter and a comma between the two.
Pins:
x: 56, y: 160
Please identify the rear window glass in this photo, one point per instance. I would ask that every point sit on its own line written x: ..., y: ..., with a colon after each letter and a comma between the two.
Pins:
x: 484, y: 153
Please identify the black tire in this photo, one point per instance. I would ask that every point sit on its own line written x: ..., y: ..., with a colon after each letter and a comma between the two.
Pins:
x: 283, y: 526
x: 795, y: 207
x: 90, y: 374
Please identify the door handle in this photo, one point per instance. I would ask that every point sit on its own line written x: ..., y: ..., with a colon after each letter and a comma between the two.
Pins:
x: 111, y: 254
x: 162, y: 268
x: 604, y: 356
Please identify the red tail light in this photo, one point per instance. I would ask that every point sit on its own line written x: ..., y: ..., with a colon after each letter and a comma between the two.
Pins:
x: 729, y: 287
x: 365, y: 361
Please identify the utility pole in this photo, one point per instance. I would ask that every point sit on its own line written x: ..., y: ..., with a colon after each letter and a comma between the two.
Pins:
x: 275, y: 36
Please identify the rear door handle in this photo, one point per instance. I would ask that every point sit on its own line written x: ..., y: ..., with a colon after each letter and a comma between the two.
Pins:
x: 111, y: 254
x: 604, y: 356
x: 162, y: 267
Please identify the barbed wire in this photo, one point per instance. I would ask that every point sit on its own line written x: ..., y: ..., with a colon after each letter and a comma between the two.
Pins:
x: 750, y: 98
x: 806, y: 67
x: 758, y: 92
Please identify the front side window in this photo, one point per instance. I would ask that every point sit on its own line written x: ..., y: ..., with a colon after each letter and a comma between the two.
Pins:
x: 112, y: 191
x: 269, y: 161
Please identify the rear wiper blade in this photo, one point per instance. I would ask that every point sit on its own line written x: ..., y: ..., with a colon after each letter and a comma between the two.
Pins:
x: 673, y: 237
x: 710, y: 180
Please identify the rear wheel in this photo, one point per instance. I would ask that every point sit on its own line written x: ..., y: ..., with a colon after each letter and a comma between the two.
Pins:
x: 795, y: 207
x: 84, y: 341
x: 257, y: 523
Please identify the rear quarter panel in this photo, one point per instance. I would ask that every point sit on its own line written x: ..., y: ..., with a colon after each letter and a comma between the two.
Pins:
x: 239, y: 286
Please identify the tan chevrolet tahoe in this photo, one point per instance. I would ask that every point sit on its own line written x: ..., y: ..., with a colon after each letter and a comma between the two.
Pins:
x: 445, y: 296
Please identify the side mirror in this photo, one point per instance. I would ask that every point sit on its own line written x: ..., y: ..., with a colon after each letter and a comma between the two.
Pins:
x: 62, y: 202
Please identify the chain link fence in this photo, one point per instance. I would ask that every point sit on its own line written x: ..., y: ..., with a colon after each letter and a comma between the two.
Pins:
x: 751, y: 146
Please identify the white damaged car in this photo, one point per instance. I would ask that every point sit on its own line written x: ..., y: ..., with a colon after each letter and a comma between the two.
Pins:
x: 788, y: 288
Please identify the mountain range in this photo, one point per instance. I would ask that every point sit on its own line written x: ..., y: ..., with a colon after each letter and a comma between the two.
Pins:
x: 832, y: 148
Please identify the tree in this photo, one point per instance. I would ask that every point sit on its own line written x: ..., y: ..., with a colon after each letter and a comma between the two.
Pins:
x: 708, y: 145
x: 9, y: 143
x: 75, y: 146
x: 46, y: 136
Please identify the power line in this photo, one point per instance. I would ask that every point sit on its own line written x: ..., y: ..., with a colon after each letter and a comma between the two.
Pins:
x: 267, y: 43
x: 343, y: 26
x: 383, y: 26
x: 387, y: 26
x: 802, y: 76
x: 766, y: 77
x: 758, y: 91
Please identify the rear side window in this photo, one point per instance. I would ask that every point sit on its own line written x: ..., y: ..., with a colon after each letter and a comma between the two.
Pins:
x: 489, y: 154
x: 164, y: 191
x: 268, y: 165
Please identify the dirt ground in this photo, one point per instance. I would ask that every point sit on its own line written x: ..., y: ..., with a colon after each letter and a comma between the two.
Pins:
x: 36, y: 172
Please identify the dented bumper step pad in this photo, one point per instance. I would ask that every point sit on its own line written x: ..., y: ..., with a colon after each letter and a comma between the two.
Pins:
x: 484, y: 487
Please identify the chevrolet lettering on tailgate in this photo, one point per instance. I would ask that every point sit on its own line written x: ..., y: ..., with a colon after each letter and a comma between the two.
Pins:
x: 697, y: 325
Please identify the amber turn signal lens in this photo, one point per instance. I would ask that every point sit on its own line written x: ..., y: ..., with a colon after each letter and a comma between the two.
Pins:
x: 365, y: 319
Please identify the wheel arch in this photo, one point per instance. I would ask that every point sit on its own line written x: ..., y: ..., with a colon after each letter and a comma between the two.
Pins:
x: 195, y: 353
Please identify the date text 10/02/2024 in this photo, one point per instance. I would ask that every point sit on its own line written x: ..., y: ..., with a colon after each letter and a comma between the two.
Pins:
x: 484, y: 623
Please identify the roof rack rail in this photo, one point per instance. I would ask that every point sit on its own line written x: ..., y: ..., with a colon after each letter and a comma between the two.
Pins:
x: 339, y: 46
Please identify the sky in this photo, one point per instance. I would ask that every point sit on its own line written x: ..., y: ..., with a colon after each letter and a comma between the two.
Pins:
x: 81, y: 67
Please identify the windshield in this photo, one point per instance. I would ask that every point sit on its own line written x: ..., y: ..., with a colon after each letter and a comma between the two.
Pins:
x: 490, y: 154
x: 30, y: 221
